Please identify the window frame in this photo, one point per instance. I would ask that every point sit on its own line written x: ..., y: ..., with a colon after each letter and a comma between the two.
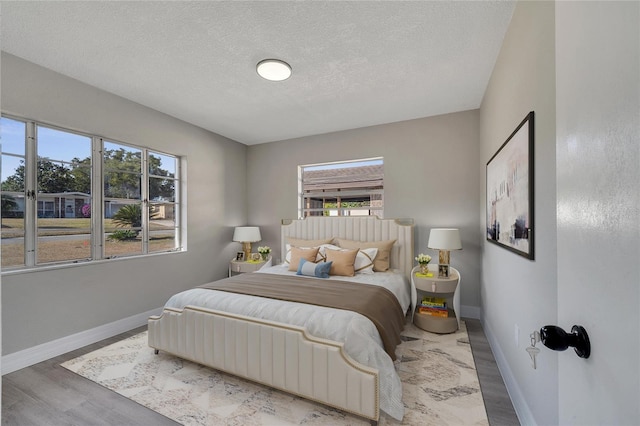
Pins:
x: 97, y: 199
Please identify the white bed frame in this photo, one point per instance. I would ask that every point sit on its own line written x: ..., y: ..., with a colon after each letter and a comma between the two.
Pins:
x: 279, y: 355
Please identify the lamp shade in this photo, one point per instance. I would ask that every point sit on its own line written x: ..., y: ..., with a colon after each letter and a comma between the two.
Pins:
x: 247, y: 234
x: 444, y: 239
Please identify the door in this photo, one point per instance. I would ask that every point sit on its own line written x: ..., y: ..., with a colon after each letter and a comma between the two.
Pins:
x: 598, y: 110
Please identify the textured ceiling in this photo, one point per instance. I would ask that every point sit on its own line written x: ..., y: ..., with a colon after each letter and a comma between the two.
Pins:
x: 355, y: 64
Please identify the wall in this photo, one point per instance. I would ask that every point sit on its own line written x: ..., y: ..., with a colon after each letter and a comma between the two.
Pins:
x: 42, y: 306
x: 598, y: 176
x: 431, y: 172
x: 517, y: 291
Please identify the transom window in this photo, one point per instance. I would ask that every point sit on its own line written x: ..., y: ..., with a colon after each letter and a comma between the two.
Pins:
x: 347, y: 188
x: 72, y: 197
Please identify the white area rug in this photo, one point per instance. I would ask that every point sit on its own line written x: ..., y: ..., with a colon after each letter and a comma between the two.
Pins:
x: 439, y: 380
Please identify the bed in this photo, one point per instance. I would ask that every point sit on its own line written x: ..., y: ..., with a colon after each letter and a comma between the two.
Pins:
x: 332, y: 356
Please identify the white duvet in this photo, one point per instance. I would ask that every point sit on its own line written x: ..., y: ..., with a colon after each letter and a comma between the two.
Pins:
x: 359, y: 335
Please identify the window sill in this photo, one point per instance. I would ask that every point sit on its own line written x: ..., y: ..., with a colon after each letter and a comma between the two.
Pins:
x: 84, y: 263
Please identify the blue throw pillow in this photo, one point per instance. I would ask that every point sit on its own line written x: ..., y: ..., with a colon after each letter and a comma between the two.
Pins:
x: 310, y: 269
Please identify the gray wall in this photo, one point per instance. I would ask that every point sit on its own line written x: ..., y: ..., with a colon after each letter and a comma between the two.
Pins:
x: 38, y: 307
x: 431, y: 173
x: 515, y: 290
x: 598, y: 144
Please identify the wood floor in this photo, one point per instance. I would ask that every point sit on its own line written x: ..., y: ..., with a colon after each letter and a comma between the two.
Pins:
x: 47, y: 394
x: 496, y: 399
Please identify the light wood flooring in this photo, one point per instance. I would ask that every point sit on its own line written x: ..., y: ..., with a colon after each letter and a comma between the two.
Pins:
x: 47, y: 394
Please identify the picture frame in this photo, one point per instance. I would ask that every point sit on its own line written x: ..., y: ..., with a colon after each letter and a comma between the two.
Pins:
x: 240, y: 256
x: 510, y: 185
x: 443, y: 271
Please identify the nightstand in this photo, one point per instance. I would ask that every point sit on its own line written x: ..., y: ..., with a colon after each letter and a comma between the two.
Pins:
x: 447, y: 288
x: 237, y: 267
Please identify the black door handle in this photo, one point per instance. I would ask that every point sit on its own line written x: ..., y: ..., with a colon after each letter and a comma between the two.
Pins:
x: 557, y: 339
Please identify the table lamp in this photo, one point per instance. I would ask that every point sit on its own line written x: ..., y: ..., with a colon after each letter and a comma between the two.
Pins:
x: 444, y: 239
x: 247, y: 235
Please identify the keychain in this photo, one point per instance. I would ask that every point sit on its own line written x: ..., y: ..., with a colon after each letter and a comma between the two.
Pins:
x: 533, y: 351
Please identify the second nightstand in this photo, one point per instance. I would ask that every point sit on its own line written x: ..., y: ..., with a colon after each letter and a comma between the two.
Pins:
x: 240, y: 267
x: 447, y: 288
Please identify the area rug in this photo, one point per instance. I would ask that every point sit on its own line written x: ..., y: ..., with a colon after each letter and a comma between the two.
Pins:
x: 439, y: 381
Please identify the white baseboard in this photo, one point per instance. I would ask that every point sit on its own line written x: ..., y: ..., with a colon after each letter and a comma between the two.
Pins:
x: 26, y: 357
x: 519, y: 403
x: 469, y: 312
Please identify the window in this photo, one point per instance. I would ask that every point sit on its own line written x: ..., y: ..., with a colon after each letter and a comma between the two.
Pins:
x: 63, y: 187
x: 122, y: 171
x: 13, y: 136
x: 71, y: 197
x: 347, y: 188
x: 163, y: 208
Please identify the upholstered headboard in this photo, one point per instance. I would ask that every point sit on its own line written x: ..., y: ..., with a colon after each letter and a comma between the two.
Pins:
x: 359, y: 228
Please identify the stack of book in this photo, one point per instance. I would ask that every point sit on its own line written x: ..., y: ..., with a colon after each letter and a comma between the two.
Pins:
x: 434, y: 306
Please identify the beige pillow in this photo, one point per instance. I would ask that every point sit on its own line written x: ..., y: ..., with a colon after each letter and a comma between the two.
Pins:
x: 299, y: 242
x: 297, y: 253
x: 343, y: 262
x: 381, y: 262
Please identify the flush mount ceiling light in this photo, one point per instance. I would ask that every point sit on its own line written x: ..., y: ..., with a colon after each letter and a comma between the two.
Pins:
x: 273, y: 69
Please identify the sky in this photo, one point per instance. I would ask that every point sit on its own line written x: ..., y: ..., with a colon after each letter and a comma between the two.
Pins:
x: 64, y: 146
x: 53, y: 144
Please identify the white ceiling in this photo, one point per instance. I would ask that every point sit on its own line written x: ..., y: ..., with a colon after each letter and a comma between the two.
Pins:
x: 355, y: 64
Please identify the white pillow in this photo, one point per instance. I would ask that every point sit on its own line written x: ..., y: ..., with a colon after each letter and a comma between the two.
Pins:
x: 364, y: 261
x: 364, y: 258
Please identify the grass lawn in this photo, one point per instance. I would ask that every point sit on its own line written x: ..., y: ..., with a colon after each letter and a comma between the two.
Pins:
x: 76, y: 248
x: 13, y: 227
x: 56, y: 251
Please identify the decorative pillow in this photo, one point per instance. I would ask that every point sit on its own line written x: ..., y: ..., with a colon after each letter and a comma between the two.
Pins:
x: 364, y: 261
x: 310, y: 269
x: 381, y: 262
x: 323, y: 250
x: 343, y: 262
x: 319, y: 257
x: 298, y: 253
x: 299, y: 242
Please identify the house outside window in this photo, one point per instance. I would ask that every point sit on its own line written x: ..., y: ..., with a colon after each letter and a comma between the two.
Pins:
x: 347, y: 188
x: 72, y: 197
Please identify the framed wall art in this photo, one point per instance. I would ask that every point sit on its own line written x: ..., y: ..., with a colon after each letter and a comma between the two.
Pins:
x: 510, y: 191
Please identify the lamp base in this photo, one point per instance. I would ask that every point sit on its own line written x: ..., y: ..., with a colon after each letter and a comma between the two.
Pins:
x: 443, y: 263
x: 246, y: 248
x: 443, y: 257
